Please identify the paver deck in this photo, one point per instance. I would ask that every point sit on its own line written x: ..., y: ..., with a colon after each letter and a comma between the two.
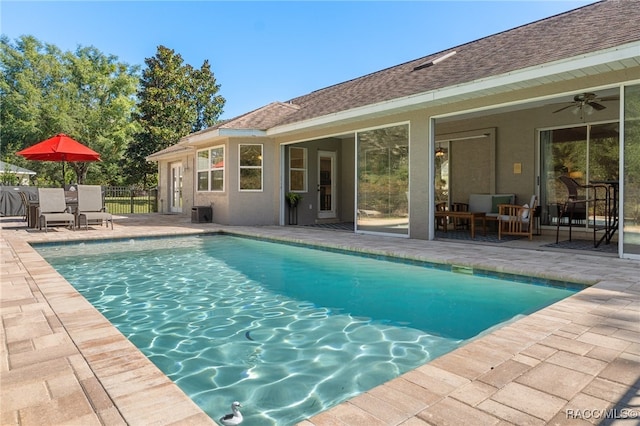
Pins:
x: 574, y: 362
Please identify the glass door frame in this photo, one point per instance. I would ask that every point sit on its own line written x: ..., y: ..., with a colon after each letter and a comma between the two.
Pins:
x: 543, y: 192
x: 623, y: 240
x: 331, y: 212
x: 176, y: 183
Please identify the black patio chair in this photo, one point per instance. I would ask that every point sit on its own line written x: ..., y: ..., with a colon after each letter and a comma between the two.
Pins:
x: 575, y: 208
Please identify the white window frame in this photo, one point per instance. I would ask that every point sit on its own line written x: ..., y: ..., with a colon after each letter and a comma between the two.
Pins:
x: 303, y: 169
x: 210, y: 169
x: 241, y: 167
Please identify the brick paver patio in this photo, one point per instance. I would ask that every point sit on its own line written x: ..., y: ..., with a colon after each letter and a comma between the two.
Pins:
x: 571, y: 363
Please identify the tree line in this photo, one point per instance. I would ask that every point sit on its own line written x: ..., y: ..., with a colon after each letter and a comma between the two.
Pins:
x: 124, y: 112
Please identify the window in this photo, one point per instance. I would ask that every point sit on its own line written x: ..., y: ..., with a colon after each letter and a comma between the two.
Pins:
x: 211, y: 169
x: 250, y: 167
x: 298, y: 169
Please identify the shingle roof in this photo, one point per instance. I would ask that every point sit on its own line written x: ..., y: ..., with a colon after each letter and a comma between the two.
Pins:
x: 591, y: 28
x: 262, y: 118
x: 581, y: 31
x: 10, y: 168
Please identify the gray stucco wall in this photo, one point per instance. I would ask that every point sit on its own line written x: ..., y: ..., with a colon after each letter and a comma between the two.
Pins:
x: 515, y: 142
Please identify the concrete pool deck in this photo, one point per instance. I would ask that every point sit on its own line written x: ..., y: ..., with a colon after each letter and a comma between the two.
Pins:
x: 63, y: 363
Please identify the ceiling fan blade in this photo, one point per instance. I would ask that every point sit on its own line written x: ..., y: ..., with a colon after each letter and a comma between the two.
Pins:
x: 609, y: 98
x: 563, y: 108
x: 596, y: 106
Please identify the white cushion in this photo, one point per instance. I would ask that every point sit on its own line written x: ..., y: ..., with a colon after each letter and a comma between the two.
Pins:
x: 525, y: 212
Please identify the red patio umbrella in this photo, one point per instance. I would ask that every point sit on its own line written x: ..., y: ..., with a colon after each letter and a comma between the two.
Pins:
x: 59, y: 148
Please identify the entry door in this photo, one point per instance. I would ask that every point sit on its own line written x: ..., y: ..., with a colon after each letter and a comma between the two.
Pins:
x: 176, y: 188
x: 326, y: 185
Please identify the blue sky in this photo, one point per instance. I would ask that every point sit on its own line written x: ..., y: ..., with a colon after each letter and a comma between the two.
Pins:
x: 262, y: 52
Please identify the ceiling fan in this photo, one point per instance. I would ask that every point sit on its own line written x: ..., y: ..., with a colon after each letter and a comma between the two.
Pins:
x: 587, y: 102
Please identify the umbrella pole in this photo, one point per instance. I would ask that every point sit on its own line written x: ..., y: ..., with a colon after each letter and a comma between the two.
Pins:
x: 63, y: 180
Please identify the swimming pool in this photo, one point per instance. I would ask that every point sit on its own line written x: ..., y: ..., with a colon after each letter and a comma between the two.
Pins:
x: 289, y: 331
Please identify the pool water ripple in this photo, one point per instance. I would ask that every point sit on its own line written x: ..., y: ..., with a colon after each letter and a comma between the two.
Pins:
x: 288, y: 331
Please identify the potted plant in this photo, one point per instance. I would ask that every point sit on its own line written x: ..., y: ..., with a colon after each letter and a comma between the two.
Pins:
x: 293, y: 198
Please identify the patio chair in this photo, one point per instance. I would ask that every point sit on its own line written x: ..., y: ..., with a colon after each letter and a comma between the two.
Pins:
x: 25, y: 206
x: 580, y: 199
x: 91, y: 207
x: 517, y: 220
x: 574, y: 209
x: 460, y: 223
x: 441, y: 222
x: 53, y: 208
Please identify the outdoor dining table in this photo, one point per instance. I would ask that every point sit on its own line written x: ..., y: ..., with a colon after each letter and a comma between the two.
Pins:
x: 70, y: 197
x: 470, y: 216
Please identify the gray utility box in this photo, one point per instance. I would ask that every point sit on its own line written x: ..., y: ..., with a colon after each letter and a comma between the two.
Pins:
x: 201, y: 214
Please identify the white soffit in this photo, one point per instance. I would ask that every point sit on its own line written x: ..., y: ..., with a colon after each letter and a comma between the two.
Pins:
x: 212, y: 135
x: 176, y: 151
x: 242, y: 133
x: 620, y: 57
x: 203, y: 136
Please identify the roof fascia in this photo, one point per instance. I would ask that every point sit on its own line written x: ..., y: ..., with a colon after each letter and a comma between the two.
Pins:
x: 18, y: 171
x: 231, y: 133
x: 200, y: 137
x: 213, y: 135
x: 170, y: 155
x: 219, y: 133
x: 618, y: 53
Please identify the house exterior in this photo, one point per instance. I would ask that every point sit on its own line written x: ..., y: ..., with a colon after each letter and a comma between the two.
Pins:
x: 21, y: 174
x: 505, y: 114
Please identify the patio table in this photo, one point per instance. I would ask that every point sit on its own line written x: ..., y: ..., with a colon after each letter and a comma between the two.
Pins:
x: 470, y: 216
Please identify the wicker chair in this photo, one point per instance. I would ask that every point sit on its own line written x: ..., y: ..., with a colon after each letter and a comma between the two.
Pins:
x: 581, y: 199
x: 25, y: 206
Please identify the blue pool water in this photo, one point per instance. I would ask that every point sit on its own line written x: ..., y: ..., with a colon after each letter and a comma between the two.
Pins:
x: 286, y: 330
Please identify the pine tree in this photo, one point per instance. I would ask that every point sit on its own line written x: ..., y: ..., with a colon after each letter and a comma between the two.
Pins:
x: 174, y: 100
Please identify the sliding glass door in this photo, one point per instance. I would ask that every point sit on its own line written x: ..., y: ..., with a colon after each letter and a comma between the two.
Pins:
x: 383, y: 180
x: 631, y: 173
x: 585, y: 153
